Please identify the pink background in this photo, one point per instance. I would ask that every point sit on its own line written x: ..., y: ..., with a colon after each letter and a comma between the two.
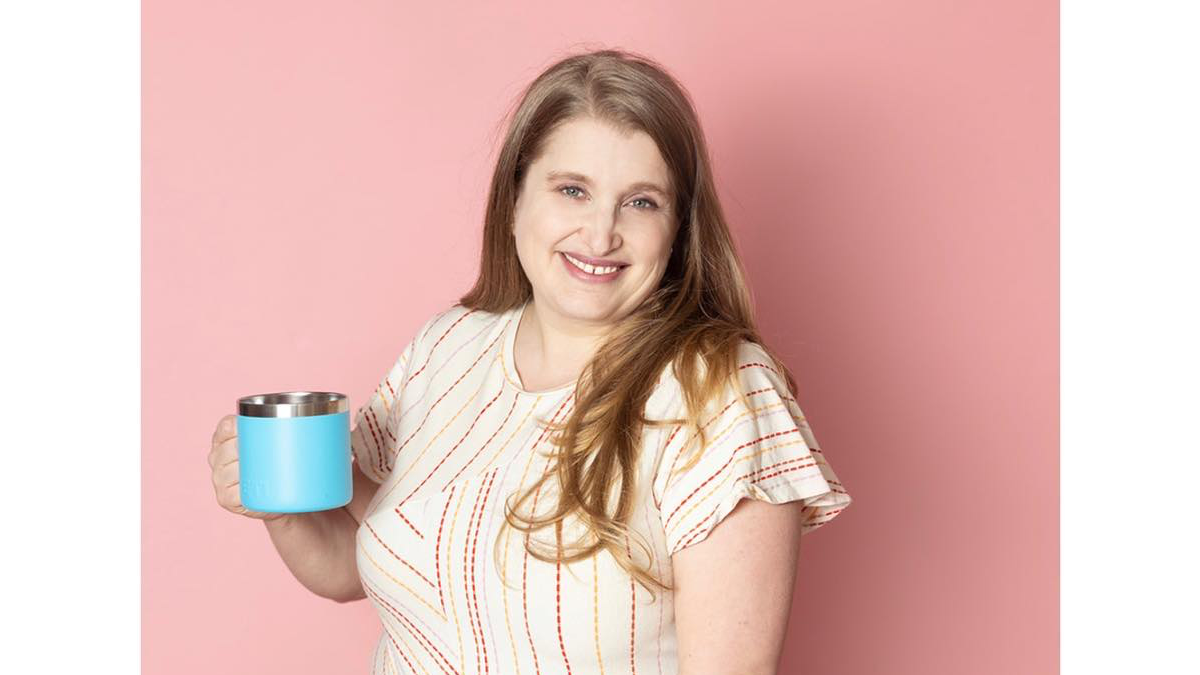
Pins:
x: 314, y: 179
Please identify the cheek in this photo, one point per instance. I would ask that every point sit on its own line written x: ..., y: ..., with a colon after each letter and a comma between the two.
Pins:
x: 542, y: 228
x: 534, y: 239
x: 654, y: 245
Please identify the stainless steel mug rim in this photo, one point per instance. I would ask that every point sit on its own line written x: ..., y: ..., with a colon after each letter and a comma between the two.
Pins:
x: 293, y: 404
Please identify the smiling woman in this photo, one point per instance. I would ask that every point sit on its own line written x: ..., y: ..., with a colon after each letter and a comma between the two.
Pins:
x: 594, y: 408
x: 574, y: 226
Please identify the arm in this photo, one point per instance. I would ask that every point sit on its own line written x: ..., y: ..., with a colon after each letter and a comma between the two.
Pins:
x: 320, y: 548
x: 754, y: 551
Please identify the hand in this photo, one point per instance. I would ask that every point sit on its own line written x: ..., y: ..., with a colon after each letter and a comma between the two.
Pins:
x: 223, y: 460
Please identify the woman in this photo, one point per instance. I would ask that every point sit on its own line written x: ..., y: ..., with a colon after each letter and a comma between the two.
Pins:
x: 540, y: 474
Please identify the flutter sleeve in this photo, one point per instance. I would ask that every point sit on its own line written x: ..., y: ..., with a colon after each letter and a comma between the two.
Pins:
x: 373, y: 437
x: 765, y: 452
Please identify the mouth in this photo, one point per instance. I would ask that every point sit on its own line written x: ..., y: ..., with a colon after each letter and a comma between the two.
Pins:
x: 591, y: 273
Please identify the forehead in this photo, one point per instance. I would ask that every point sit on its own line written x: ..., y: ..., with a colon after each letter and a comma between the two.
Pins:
x: 604, y: 153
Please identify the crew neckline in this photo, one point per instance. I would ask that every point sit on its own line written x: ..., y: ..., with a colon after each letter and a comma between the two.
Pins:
x: 509, y: 362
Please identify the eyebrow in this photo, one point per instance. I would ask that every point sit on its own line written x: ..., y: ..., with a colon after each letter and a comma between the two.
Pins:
x: 572, y: 175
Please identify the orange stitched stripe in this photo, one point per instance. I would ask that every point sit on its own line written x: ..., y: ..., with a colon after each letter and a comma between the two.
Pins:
x: 705, y: 425
x: 809, y: 461
x: 794, y: 468
x: 421, y: 599
x: 596, y: 614
x: 425, y: 642
x: 525, y: 558
x: 473, y: 549
x: 632, y: 615
x: 729, y: 480
x: 722, y: 467
x: 450, y: 584
x: 399, y: 651
x: 562, y: 646
x: 438, y: 547
x: 468, y: 573
x: 389, y: 550
x: 396, y: 483
x: 483, y: 446
x: 447, y: 393
x: 445, y: 334
x: 450, y: 453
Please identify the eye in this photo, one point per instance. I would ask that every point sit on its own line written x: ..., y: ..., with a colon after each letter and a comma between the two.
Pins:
x: 650, y: 203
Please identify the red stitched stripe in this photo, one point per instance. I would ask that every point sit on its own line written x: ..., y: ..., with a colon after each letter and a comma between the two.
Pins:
x: 483, y: 446
x: 416, y: 632
x: 408, y: 522
x: 562, y: 646
x: 445, y: 334
x: 429, y: 412
x: 438, y: 547
x: 718, y: 472
x: 397, y: 557
x: 449, y: 453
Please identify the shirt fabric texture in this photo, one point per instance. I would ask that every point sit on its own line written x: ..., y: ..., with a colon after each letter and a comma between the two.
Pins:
x: 450, y: 432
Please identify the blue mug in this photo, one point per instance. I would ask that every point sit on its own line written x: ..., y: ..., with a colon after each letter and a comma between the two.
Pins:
x: 294, y: 451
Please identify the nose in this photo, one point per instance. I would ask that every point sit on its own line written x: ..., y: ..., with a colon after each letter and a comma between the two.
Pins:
x: 599, y: 232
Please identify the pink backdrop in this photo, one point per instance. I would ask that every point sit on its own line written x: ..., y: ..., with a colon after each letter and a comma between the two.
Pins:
x: 314, y: 179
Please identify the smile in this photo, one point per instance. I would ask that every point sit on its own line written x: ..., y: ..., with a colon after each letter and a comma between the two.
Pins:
x: 586, y: 272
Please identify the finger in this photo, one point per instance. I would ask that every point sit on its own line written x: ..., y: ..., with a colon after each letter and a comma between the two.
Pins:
x: 225, y: 452
x: 226, y: 429
x: 226, y: 460
x: 231, y: 498
x: 218, y: 454
x: 227, y: 475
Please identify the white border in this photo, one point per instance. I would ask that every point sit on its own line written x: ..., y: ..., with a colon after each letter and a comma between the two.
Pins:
x: 69, y: 209
x: 1131, y: 179
x: 69, y: 204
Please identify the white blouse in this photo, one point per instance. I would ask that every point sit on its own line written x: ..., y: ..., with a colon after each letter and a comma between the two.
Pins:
x: 450, y: 432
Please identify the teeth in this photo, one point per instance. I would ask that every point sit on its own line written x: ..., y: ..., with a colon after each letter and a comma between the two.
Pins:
x: 590, y: 269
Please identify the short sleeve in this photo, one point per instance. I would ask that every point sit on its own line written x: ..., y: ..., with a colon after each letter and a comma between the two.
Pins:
x: 765, y: 452
x: 373, y: 437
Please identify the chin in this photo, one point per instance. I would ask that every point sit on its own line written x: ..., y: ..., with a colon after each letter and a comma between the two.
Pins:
x: 583, y: 307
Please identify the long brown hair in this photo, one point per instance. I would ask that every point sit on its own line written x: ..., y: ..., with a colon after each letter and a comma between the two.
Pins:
x: 694, y: 321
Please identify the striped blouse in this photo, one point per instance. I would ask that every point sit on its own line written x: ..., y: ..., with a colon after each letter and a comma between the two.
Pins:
x: 451, y: 431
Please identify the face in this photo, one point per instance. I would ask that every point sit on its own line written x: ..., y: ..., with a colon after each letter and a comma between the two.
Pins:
x: 595, y: 193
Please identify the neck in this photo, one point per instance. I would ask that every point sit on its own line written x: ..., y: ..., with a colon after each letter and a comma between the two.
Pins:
x: 559, y: 345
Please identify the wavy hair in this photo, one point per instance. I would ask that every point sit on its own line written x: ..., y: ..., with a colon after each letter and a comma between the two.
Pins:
x: 693, y: 322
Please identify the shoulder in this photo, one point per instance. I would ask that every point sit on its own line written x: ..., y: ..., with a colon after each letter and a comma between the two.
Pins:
x: 454, y: 319
x: 754, y: 370
x: 751, y: 361
x: 756, y: 367
x: 458, y: 332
